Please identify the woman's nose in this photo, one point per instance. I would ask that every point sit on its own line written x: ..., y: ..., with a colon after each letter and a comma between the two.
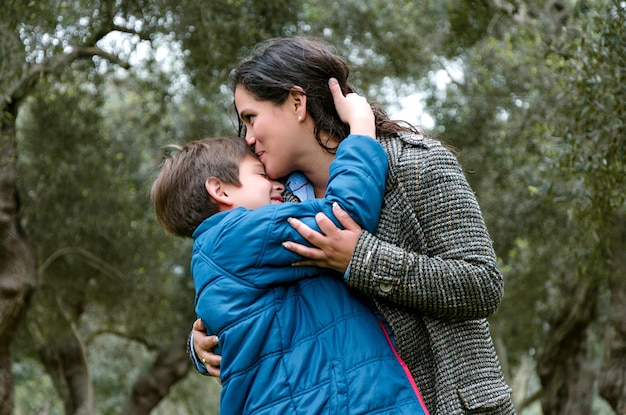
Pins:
x: 250, y: 138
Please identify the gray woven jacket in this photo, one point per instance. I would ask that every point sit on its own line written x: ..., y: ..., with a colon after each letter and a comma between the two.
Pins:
x: 432, y: 273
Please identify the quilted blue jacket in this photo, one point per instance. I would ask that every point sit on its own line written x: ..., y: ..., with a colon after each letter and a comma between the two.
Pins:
x: 296, y: 340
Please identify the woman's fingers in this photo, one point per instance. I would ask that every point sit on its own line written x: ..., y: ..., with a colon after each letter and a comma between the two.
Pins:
x: 353, y: 110
x: 346, y: 220
x: 335, y: 90
x: 333, y: 247
x: 198, y: 325
x: 203, y: 346
x: 212, y: 363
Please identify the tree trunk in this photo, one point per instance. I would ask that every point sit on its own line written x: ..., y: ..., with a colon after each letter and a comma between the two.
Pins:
x: 18, y: 266
x: 567, y: 376
x: 612, y: 384
x: 170, y: 365
x: 66, y: 363
x: 18, y: 275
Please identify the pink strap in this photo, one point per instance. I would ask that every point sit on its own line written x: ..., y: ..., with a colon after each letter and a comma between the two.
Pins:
x: 407, y: 372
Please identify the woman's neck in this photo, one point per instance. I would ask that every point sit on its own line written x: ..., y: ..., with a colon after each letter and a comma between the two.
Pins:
x: 316, y: 166
x: 318, y: 172
x: 319, y: 192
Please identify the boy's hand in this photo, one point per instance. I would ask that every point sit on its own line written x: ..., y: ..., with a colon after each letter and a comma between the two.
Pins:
x: 354, y: 110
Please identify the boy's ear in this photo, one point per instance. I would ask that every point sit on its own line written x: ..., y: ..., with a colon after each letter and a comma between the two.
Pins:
x: 216, y: 190
x: 298, y: 101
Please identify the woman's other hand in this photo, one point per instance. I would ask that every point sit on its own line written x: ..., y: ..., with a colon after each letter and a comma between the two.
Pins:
x: 203, y: 345
x: 334, y: 246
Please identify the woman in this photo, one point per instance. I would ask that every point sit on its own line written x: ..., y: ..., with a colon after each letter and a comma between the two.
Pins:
x: 430, y: 269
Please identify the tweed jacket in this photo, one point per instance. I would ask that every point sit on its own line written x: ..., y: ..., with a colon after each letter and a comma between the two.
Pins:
x: 431, y: 270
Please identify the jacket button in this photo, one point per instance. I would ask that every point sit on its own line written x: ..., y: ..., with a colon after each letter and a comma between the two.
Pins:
x: 385, y: 287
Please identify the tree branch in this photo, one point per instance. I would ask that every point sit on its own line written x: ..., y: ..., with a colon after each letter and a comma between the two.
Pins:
x: 132, y: 32
x: 91, y: 51
x: 530, y: 399
x: 95, y: 261
x: 24, y: 85
x: 123, y: 335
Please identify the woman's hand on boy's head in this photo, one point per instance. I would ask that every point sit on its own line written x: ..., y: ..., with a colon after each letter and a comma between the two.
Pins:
x: 353, y: 110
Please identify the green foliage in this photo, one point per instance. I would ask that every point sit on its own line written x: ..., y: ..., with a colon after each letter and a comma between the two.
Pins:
x: 538, y: 117
x: 195, y: 395
x: 96, y: 208
x: 115, y: 363
x: 88, y: 155
x: 34, y: 393
x: 469, y: 23
x: 382, y: 39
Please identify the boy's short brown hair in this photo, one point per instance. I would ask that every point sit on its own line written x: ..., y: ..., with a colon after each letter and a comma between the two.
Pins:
x: 179, y: 196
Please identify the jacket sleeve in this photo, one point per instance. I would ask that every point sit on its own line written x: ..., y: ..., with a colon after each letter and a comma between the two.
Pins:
x: 453, y: 273
x: 356, y: 182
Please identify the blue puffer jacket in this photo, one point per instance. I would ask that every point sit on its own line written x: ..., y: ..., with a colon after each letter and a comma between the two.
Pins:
x: 295, y: 340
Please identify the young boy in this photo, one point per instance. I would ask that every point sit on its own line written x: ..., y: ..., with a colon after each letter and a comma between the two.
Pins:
x: 292, y: 339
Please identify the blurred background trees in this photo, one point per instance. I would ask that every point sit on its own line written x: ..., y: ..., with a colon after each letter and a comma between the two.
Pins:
x: 96, y: 301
